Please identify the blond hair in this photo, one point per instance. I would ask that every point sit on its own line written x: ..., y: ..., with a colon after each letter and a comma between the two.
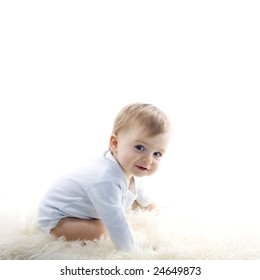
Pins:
x: 152, y: 119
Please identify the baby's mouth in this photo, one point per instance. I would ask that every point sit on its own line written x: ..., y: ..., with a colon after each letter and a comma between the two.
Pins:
x: 142, y: 167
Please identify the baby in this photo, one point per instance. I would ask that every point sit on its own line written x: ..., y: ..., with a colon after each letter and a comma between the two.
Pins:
x: 92, y: 201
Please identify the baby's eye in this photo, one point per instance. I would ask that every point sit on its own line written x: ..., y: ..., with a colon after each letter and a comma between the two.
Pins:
x: 139, y: 147
x: 157, y: 154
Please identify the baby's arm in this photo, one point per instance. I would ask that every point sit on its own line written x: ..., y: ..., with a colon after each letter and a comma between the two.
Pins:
x: 145, y: 199
x: 107, y: 202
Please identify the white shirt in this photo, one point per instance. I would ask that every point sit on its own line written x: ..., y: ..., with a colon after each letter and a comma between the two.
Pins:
x: 98, y: 191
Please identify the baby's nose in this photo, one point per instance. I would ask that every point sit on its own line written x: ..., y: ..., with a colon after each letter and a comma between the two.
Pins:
x: 148, y: 159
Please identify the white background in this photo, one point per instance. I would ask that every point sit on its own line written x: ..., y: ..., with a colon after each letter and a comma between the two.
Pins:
x: 68, y: 67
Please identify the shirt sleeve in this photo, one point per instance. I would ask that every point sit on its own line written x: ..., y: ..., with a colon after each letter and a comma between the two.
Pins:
x: 106, y: 198
x: 144, y: 195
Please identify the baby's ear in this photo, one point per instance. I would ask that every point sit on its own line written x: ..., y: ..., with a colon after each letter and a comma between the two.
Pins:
x: 113, y: 142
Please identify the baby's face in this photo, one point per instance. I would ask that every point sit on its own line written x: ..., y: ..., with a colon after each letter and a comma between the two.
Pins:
x: 139, y: 154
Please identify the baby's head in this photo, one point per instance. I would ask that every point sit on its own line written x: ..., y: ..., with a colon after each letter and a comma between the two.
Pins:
x: 151, y: 119
x: 139, y: 139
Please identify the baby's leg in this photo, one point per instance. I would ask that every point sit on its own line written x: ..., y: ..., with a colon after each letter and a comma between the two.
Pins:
x: 79, y: 229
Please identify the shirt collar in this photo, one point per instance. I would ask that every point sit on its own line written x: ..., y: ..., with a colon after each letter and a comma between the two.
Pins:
x: 109, y: 156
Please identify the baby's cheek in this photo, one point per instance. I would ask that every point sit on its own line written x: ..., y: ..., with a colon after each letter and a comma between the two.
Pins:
x: 155, y: 167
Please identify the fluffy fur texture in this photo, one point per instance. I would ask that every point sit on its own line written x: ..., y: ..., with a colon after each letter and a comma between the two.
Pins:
x: 160, y: 235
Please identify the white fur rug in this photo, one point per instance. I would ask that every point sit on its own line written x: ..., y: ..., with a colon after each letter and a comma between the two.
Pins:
x: 161, y: 235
